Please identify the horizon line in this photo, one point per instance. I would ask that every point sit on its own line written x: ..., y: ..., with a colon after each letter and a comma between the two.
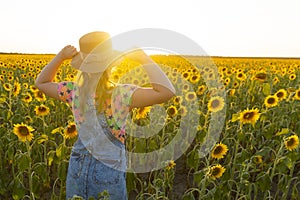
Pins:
x: 213, y: 56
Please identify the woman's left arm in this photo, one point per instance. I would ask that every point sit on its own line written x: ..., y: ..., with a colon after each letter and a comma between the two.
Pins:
x: 44, y: 81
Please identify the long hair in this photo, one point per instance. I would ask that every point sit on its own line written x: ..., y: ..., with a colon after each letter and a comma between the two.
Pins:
x: 103, y: 90
x: 89, y: 87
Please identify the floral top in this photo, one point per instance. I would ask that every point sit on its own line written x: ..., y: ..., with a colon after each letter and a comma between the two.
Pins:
x: 115, y: 111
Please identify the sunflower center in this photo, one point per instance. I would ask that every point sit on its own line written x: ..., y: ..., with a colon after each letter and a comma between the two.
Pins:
x: 15, y: 89
x: 216, y: 171
x: 185, y: 75
x: 23, y: 130
x: 218, y: 150
x: 40, y: 94
x: 248, y: 115
x: 177, y: 100
x: 42, y: 109
x: 271, y: 100
x: 191, y: 96
x: 261, y: 76
x: 71, y: 129
x: 279, y: 94
x: 171, y: 111
x: 215, y: 103
x: 291, y: 142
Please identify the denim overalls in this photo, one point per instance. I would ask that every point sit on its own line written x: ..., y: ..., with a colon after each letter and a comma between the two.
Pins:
x: 97, y: 162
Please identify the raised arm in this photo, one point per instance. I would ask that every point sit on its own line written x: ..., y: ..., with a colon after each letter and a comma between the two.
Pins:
x: 44, y: 81
x: 162, y: 89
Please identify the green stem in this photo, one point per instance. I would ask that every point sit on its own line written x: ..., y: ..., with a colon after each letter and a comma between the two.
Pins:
x: 274, y: 166
x: 234, y: 158
x: 290, y: 181
x: 30, y: 170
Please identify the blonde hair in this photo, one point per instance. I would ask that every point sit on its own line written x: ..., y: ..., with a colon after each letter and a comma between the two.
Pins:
x: 103, y: 90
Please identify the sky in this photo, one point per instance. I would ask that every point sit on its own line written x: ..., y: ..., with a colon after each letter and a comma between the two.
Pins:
x: 259, y: 28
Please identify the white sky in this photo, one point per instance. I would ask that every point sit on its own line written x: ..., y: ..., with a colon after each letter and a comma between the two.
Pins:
x: 220, y: 27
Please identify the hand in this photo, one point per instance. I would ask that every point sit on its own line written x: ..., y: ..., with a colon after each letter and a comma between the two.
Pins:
x: 68, y: 52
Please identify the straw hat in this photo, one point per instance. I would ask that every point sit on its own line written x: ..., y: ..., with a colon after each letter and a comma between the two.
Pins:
x: 96, y: 53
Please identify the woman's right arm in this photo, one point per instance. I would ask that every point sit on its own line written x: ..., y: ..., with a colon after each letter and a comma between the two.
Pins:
x: 44, y: 81
x: 162, y: 89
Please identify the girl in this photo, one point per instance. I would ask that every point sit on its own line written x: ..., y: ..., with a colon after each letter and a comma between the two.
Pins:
x: 100, y: 107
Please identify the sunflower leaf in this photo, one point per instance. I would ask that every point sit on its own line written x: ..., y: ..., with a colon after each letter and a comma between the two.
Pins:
x: 235, y: 117
x: 283, y: 131
x: 266, y: 89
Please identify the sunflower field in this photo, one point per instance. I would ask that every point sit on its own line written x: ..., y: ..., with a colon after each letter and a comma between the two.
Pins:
x: 255, y: 156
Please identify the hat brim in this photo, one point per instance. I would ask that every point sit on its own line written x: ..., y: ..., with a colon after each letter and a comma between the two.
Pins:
x: 91, y: 65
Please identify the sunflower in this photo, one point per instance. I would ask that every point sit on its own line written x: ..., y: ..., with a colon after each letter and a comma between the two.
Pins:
x: 219, y: 151
x: 141, y: 113
x: 297, y: 94
x: 281, y: 94
x: 27, y: 98
x: 194, y: 78
x: 190, y: 96
x: 271, y: 101
x: 292, y: 142
x: 216, y: 104
x: 201, y: 89
x: 235, y: 84
x: 25, y: 85
x: 171, y: 165
x: 23, y: 131
x: 249, y: 116
x: 261, y: 76
x: 7, y: 86
x: 177, y: 100
x: 40, y: 96
x: 241, y: 76
x: 216, y: 171
x: 10, y: 78
x: 70, y: 131
x: 16, y: 88
x: 210, y: 76
x: 28, y: 119
x: 185, y: 87
x: 33, y: 88
x: 186, y: 75
x: 275, y: 80
x: 292, y: 77
x: 183, y: 111
x: 227, y: 80
x: 41, y: 110
x: 231, y: 92
x: 172, y: 111
x: 258, y: 159
x: 228, y: 72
